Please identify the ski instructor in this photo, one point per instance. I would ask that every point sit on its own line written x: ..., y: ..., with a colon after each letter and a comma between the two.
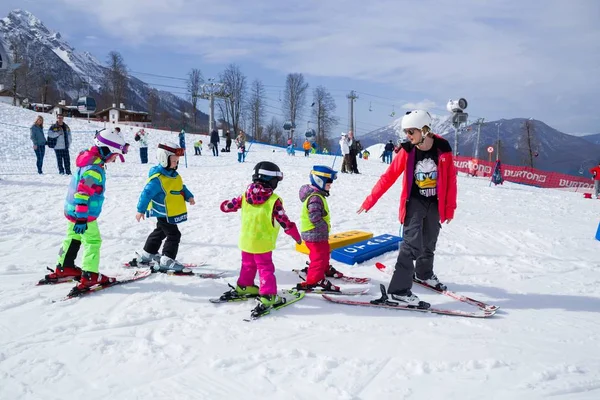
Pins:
x: 428, y: 198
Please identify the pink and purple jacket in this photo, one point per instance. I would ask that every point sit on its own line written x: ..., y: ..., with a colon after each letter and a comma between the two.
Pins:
x: 316, y: 212
x: 86, y: 191
x: 258, y: 194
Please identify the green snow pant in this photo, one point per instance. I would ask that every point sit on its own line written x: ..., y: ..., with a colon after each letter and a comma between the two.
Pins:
x: 91, y: 242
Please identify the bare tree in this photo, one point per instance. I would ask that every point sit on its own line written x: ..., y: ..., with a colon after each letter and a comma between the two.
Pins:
x: 256, y: 108
x: 528, y: 143
x: 274, y: 131
x: 224, y: 116
x: 324, y: 114
x: 294, y: 98
x: 16, y: 46
x: 116, y: 77
x: 235, y: 86
x: 184, y: 116
x: 194, y: 84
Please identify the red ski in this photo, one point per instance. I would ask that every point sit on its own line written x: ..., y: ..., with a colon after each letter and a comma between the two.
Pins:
x: 340, y: 276
x: 449, y: 293
x: 384, y: 302
x: 120, y: 281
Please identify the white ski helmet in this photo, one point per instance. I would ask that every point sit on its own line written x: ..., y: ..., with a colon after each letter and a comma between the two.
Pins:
x: 115, y: 142
x: 167, y: 149
x: 416, y: 119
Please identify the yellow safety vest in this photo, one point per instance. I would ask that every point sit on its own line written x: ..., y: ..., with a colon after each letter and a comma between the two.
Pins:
x: 174, y: 209
x: 305, y: 224
x: 259, y: 231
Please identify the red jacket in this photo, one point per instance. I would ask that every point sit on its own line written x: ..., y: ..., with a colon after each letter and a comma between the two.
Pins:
x: 405, y: 162
x: 595, y: 171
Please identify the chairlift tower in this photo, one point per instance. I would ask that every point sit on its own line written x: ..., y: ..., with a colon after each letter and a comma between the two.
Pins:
x: 352, y: 96
x: 210, y: 91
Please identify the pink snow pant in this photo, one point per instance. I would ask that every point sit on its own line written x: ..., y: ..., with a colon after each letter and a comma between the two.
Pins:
x: 266, y: 272
x: 319, y: 261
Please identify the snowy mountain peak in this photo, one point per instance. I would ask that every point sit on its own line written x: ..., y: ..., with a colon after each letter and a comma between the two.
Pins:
x: 24, y: 20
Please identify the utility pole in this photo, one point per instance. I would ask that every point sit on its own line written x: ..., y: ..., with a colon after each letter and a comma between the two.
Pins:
x: 352, y: 96
x: 479, y: 122
x: 498, y: 142
x: 210, y: 91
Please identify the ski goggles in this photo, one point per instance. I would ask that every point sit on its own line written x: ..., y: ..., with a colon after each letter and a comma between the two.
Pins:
x: 177, y: 151
x: 123, y: 148
x: 274, y: 174
x: 327, y: 175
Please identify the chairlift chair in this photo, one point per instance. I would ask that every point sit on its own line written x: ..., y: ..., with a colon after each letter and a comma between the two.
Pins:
x: 86, y: 105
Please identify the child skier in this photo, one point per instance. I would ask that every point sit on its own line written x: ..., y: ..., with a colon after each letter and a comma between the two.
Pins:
x: 164, y: 197
x: 262, y: 214
x: 83, y: 206
x: 315, y: 226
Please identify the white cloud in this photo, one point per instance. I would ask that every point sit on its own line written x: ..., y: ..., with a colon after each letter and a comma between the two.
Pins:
x: 511, y: 56
x: 421, y: 105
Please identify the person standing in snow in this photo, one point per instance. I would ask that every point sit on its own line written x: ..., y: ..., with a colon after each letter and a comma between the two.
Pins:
x: 428, y: 197
x: 214, y: 140
x: 82, y: 209
x: 595, y: 171
x: 262, y: 216
x: 315, y: 225
x: 345, y: 150
x: 164, y: 197
x: 142, y: 138
x: 61, y: 133
x: 39, y: 142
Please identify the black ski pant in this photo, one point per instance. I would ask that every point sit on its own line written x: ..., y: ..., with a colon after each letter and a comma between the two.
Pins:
x: 164, y: 230
x: 63, y: 161
x: 421, y: 231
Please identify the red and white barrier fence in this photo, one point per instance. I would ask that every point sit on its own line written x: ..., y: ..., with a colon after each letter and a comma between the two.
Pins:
x: 523, y: 175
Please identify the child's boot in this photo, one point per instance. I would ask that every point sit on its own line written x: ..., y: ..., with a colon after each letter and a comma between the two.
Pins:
x: 239, y: 293
x: 91, y: 279
x: 143, y: 257
x: 168, y: 264
x: 265, y: 302
x: 61, y: 274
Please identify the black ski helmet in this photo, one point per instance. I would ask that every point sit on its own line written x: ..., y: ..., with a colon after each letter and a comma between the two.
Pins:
x: 267, y: 173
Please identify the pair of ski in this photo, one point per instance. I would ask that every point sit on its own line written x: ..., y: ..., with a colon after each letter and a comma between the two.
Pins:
x: 290, y: 297
x: 139, y: 274
x: 204, y: 275
x: 485, y: 310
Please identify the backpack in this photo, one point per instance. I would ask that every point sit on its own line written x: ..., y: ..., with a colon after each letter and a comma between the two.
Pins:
x: 51, y: 142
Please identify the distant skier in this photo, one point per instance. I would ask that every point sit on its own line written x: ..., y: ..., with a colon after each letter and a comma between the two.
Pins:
x: 428, y: 197
x: 164, y: 197
x: 497, y: 178
x: 595, y: 171
x: 82, y: 209
x: 262, y: 215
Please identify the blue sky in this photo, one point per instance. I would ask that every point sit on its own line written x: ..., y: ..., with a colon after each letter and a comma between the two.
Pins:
x: 534, y: 58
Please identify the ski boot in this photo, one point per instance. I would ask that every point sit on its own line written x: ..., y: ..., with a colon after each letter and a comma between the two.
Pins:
x: 169, y: 265
x: 144, y: 259
x: 324, y: 284
x: 61, y: 274
x: 239, y: 293
x: 89, y: 281
x: 265, y: 303
x: 330, y: 273
x: 407, y: 298
x: 434, y: 282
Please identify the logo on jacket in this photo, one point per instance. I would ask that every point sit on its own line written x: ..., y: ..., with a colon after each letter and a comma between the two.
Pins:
x: 426, y: 177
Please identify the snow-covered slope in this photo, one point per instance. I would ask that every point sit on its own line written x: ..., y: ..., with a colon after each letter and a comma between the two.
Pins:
x: 530, y: 251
